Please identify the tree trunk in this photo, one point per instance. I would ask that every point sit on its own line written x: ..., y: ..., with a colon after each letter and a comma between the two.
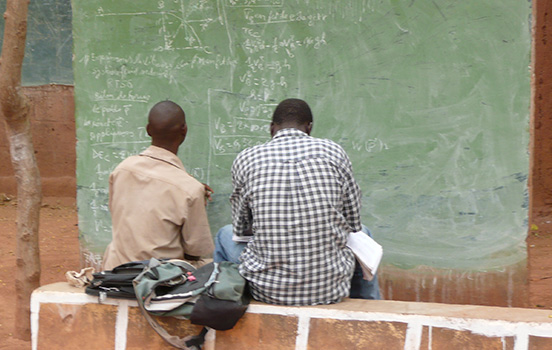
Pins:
x: 14, y: 111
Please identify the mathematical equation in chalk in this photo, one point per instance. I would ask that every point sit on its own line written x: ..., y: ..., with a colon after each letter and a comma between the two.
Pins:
x: 233, y: 72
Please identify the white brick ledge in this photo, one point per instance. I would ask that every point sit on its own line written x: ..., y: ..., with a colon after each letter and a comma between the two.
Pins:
x: 518, y: 323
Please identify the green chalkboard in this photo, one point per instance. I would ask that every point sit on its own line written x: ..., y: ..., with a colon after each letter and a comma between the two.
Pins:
x: 49, y: 42
x: 429, y: 98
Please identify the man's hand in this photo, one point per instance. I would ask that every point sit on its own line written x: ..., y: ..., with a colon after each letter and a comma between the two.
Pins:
x: 208, y: 192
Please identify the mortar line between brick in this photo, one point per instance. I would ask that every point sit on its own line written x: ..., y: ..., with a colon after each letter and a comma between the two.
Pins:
x: 413, y: 337
x: 121, y: 326
x: 303, y: 328
x: 521, y: 341
x: 430, y: 338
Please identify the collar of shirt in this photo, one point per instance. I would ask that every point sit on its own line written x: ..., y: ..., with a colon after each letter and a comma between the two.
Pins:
x: 289, y: 132
x: 163, y: 155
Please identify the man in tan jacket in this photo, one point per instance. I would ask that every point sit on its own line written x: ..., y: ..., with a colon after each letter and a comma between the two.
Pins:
x: 157, y: 208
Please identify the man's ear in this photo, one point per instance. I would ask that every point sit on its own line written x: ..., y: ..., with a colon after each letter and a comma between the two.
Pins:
x: 148, y: 130
x: 185, y: 130
x: 272, y: 129
x: 309, y: 128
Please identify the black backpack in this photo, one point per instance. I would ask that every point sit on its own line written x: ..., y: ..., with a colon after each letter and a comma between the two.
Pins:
x: 215, y: 295
x: 116, y: 283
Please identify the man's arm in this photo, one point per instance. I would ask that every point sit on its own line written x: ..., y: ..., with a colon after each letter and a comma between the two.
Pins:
x: 196, y: 232
x: 242, y: 217
x: 351, y: 196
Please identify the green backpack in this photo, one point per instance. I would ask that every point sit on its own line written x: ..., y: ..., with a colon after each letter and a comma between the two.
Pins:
x: 214, y: 295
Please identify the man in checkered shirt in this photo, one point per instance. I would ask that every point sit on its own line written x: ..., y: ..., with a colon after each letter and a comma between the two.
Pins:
x: 294, y: 203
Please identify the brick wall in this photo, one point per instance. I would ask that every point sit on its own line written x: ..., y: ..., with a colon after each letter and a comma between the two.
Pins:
x: 52, y: 117
x: 64, y: 317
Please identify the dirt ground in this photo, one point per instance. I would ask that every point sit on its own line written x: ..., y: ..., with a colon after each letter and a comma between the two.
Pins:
x: 59, y: 252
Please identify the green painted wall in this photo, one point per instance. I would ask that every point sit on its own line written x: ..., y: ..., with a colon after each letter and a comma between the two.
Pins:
x: 429, y: 98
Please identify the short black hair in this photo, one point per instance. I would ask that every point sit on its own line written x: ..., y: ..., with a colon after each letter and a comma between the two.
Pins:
x: 292, y: 110
x: 166, y: 118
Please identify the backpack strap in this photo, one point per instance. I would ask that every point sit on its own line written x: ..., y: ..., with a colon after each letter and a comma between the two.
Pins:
x: 185, y: 343
x: 197, y: 340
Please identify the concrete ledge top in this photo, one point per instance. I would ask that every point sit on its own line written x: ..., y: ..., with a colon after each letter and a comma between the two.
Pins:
x: 62, y: 291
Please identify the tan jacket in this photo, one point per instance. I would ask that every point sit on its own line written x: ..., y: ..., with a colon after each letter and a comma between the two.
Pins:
x: 157, y: 210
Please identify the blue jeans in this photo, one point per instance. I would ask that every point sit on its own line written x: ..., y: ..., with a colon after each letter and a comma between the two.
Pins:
x: 228, y: 250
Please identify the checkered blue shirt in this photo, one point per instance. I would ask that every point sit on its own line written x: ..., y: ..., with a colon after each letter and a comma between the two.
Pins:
x: 299, y: 196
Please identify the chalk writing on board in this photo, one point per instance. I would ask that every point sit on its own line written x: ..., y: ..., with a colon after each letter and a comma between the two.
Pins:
x: 109, y: 110
x: 92, y: 259
x: 241, y: 124
x: 253, y: 110
x: 260, y: 64
x: 96, y: 191
x: 287, y: 45
x: 102, y: 172
x: 128, y: 96
x: 229, y: 62
x: 232, y: 145
x: 282, y: 16
x: 116, y: 122
x: 370, y: 145
x: 255, y: 3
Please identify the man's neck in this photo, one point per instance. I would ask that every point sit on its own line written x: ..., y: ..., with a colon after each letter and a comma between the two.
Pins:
x: 168, y: 147
x: 303, y: 128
